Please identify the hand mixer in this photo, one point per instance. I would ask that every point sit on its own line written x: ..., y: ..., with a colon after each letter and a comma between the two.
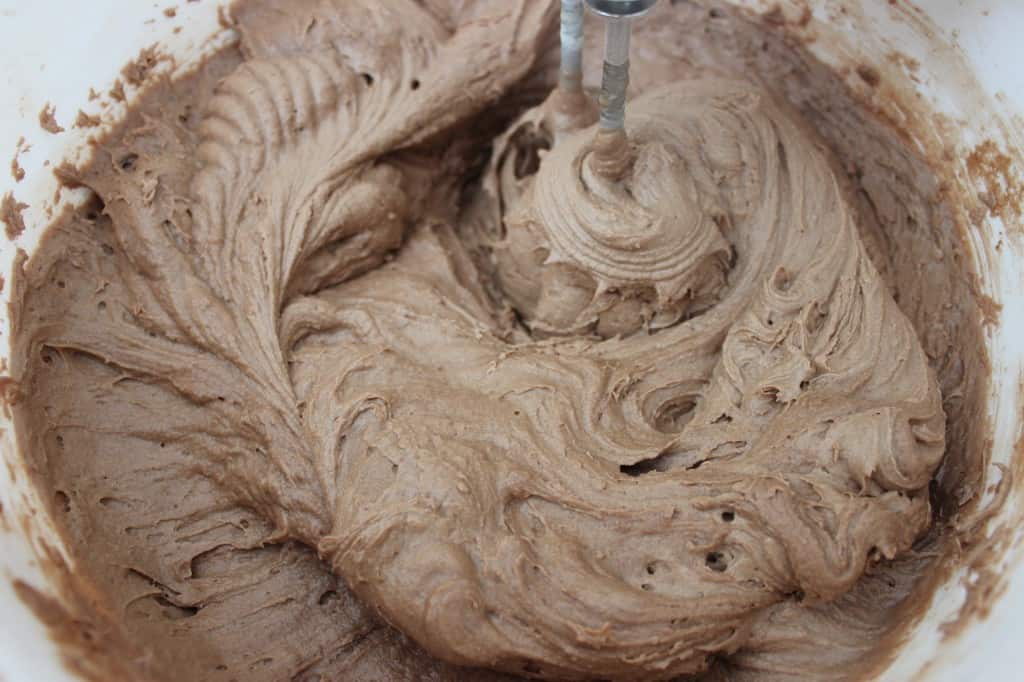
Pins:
x: 609, y: 155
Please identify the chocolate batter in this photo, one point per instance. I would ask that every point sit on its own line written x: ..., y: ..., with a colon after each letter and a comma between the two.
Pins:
x: 346, y: 374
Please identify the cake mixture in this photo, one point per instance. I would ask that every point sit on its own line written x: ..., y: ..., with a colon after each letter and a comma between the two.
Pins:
x: 357, y: 366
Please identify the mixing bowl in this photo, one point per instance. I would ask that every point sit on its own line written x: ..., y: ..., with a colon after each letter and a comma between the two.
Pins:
x: 952, y: 82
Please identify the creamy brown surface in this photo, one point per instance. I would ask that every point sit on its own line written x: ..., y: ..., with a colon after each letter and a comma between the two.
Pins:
x: 346, y: 373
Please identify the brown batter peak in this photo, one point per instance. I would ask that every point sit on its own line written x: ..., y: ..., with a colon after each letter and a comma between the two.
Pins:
x: 85, y: 120
x: 10, y: 216
x: 17, y: 172
x: 48, y: 120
